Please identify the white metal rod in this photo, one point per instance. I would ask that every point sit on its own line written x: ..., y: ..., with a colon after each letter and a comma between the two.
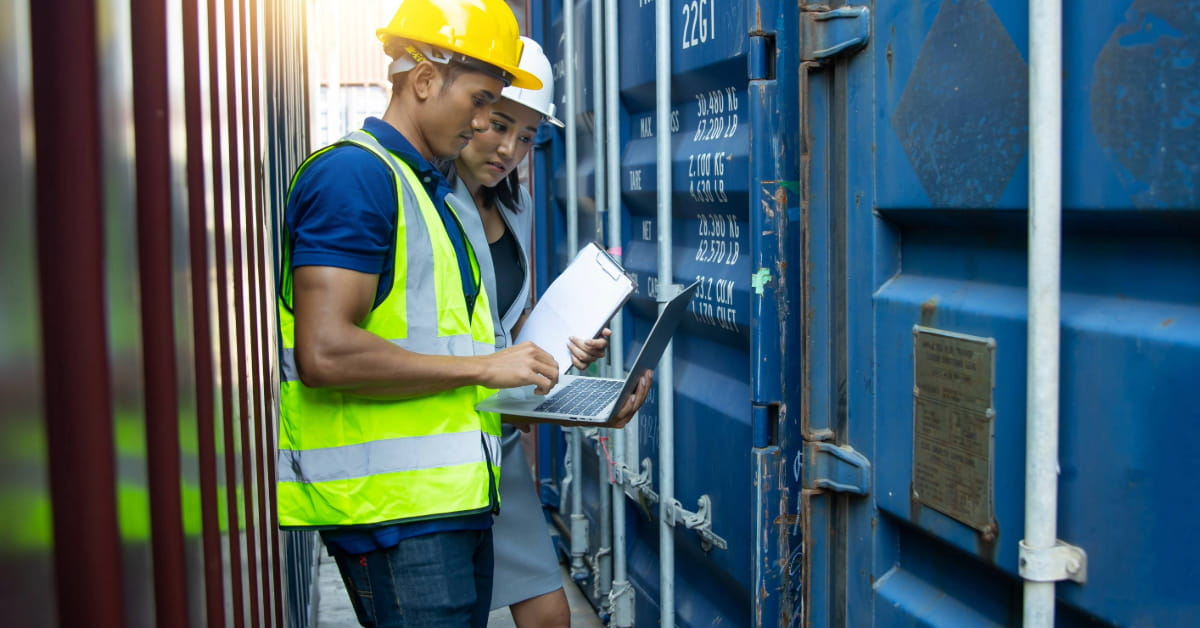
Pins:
x: 1045, y: 241
x: 575, y: 446
x: 569, y: 117
x: 616, y: 348
x: 665, y: 373
x: 604, y: 565
x: 598, y: 117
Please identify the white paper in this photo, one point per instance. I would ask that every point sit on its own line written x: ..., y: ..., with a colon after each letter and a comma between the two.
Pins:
x: 577, y: 303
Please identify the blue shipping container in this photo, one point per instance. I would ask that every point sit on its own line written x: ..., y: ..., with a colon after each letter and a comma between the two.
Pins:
x: 850, y: 187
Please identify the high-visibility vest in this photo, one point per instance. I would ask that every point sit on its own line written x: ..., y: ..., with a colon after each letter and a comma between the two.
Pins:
x: 348, y: 460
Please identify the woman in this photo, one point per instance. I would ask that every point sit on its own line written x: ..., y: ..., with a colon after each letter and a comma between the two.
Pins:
x: 527, y: 577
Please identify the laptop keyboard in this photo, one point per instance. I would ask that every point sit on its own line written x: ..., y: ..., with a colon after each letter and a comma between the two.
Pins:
x: 583, y: 397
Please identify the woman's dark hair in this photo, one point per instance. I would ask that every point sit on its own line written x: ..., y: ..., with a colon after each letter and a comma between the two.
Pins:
x: 506, y: 193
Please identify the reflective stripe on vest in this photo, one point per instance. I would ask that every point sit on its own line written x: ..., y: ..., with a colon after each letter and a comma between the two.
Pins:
x: 384, y: 456
x: 348, y: 460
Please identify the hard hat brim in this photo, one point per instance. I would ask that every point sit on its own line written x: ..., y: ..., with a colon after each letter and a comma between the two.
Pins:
x: 521, y: 78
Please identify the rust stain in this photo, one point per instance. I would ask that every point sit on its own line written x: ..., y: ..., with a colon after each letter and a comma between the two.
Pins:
x: 986, y: 541
x: 787, y: 520
x: 888, y: 56
x: 929, y: 312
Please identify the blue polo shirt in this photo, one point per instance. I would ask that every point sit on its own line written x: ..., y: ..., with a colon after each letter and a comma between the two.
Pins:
x: 342, y: 213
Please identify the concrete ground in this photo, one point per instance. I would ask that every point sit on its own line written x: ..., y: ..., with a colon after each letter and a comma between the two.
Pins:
x: 334, y: 610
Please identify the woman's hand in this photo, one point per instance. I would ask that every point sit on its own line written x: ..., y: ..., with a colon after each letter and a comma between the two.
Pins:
x: 630, y: 407
x: 584, y: 352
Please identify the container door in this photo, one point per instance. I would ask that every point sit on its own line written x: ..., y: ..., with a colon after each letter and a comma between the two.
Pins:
x: 916, y: 266
x: 734, y: 132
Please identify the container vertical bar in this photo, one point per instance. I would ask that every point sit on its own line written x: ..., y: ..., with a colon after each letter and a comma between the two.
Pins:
x: 666, y: 372
x: 574, y: 435
x: 71, y: 283
x: 196, y: 89
x: 570, y: 117
x: 621, y: 593
x: 153, y: 187
x: 604, y: 566
x: 768, y: 582
x: 1045, y: 239
x: 768, y: 215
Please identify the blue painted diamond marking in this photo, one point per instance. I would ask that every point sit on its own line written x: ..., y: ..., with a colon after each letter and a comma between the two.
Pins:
x: 963, y: 117
x: 1145, y: 102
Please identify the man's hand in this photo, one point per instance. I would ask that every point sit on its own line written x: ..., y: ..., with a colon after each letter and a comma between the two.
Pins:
x: 520, y: 365
x: 584, y: 352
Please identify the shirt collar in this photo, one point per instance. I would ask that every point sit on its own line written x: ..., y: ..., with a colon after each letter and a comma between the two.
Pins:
x: 435, y: 184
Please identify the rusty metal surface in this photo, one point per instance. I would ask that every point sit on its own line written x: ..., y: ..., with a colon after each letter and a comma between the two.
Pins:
x: 145, y: 493
x: 27, y: 578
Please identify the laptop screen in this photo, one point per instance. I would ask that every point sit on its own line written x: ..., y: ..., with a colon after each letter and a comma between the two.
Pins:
x: 660, y: 336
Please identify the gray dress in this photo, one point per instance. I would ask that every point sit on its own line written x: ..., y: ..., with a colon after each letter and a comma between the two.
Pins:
x: 526, y: 565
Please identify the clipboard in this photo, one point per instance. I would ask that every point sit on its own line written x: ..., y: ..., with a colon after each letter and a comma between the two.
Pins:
x: 578, y: 303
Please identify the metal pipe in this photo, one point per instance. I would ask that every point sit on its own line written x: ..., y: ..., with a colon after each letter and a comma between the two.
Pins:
x: 604, y: 552
x: 569, y: 117
x: 1045, y: 213
x: 575, y: 449
x: 665, y: 373
x: 621, y: 593
x: 598, y: 118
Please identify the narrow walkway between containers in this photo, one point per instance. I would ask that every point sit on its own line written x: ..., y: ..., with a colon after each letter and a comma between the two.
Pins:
x: 334, y: 610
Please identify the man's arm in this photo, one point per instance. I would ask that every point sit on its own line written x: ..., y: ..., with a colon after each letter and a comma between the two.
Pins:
x: 332, y: 351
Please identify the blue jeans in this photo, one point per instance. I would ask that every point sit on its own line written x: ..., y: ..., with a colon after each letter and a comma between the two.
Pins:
x: 434, y: 580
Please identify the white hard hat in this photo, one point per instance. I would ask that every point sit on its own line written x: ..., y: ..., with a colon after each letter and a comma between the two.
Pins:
x: 534, y: 61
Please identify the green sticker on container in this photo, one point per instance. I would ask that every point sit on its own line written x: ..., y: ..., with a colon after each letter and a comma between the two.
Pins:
x: 760, y: 279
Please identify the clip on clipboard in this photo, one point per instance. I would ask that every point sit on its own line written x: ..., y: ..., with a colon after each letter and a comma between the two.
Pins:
x: 577, y: 303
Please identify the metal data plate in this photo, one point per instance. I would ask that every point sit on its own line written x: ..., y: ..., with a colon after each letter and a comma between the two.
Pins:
x: 953, y: 429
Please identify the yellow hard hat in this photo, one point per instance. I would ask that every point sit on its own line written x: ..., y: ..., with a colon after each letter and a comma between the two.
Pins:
x: 484, y: 30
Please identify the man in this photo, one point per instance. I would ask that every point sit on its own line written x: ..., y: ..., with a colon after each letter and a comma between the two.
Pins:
x: 387, y: 335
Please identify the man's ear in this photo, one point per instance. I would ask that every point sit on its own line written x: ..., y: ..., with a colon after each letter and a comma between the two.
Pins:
x: 425, y: 80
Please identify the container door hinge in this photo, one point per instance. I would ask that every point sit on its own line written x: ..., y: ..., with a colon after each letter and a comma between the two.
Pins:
x: 827, y: 34
x: 1063, y: 561
x: 761, y: 60
x: 836, y: 468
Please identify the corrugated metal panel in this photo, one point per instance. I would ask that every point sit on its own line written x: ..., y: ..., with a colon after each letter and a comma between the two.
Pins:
x: 729, y: 193
x: 881, y: 192
x: 156, y: 292
x: 944, y: 165
x: 27, y: 578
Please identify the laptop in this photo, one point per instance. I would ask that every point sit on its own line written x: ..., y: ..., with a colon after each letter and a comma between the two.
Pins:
x: 582, y: 399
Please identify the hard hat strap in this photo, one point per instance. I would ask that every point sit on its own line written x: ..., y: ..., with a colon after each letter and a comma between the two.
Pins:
x: 416, y: 54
